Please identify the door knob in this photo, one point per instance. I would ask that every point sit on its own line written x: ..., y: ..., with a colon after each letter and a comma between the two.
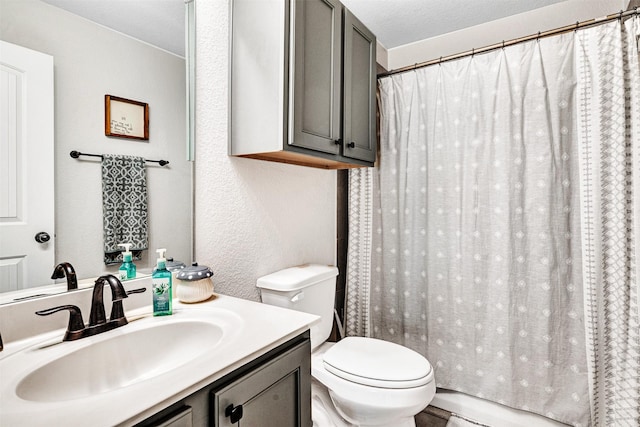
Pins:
x: 42, y: 237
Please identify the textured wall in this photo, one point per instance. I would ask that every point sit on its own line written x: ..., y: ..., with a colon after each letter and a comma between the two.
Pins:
x: 89, y: 62
x: 252, y: 217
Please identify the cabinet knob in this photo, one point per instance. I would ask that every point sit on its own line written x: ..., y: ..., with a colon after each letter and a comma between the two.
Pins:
x: 351, y: 144
x: 337, y: 142
x: 234, y: 413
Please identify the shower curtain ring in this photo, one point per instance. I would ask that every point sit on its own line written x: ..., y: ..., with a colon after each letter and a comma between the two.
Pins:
x: 503, y: 44
x: 473, y: 51
x: 620, y: 15
x: 577, y: 26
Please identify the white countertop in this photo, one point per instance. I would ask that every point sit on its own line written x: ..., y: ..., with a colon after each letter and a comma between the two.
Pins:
x: 262, y: 328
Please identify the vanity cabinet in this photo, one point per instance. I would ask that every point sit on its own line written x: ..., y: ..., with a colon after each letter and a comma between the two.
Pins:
x: 302, y: 84
x: 276, y: 393
x: 272, y: 390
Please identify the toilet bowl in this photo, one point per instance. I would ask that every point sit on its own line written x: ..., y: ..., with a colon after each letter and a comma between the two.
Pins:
x: 356, y: 381
x: 379, y: 401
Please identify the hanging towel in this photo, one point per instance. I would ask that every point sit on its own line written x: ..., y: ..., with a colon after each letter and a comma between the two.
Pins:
x: 124, y: 206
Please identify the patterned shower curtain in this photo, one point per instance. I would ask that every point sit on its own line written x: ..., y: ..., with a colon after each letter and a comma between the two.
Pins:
x: 474, y: 223
x: 608, y: 95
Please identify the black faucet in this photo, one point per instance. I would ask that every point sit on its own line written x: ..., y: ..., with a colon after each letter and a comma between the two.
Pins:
x: 98, y: 322
x: 97, y: 316
x: 66, y: 269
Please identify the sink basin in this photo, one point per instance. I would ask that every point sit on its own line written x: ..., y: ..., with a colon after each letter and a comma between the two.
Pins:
x: 47, y: 382
x: 142, y: 350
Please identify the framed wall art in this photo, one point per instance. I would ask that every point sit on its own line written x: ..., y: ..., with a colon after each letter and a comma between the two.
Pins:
x: 125, y: 118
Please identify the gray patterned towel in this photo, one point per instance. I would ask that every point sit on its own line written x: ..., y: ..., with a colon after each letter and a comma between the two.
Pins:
x: 124, y: 206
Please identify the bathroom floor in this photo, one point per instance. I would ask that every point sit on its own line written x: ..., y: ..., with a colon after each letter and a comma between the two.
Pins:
x: 436, y: 417
x: 432, y: 417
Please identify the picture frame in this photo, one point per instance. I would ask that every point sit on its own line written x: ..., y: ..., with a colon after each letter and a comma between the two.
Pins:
x: 125, y: 118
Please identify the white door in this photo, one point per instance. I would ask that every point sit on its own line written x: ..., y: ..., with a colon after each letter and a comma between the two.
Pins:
x: 26, y: 167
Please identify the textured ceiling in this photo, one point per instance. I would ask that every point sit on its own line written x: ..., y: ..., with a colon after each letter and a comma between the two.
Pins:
x: 395, y: 22
x: 399, y: 22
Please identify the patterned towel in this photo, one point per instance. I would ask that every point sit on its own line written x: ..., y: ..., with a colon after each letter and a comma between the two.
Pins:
x: 124, y: 206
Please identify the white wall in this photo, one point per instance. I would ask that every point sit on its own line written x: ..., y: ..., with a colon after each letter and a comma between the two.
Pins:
x: 512, y: 27
x: 89, y: 62
x: 252, y: 217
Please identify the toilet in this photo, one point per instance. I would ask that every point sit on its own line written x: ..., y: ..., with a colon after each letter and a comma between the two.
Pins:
x: 356, y: 381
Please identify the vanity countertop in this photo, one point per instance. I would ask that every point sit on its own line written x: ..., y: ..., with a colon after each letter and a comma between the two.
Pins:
x: 263, y: 328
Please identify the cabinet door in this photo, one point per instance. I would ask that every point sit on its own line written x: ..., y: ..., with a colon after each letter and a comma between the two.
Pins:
x: 359, y: 115
x: 316, y: 75
x: 277, y: 393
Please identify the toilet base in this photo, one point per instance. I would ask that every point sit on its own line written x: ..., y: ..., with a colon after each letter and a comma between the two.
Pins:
x: 324, y: 413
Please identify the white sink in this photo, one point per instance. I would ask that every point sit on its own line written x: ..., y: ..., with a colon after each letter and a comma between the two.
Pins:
x: 138, y: 369
x: 142, y: 350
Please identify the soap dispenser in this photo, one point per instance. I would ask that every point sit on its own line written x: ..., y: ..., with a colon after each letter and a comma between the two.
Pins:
x: 161, y: 286
x: 127, y: 270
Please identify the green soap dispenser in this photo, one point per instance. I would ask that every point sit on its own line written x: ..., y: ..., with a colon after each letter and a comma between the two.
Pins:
x: 161, y: 286
x: 127, y: 270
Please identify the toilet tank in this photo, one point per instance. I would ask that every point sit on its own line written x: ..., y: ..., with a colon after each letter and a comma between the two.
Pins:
x: 310, y: 288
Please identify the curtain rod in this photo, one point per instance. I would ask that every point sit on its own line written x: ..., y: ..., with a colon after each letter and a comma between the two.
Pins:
x: 75, y: 154
x: 504, y: 44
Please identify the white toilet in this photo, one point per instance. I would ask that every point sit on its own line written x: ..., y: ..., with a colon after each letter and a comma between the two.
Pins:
x: 357, y: 381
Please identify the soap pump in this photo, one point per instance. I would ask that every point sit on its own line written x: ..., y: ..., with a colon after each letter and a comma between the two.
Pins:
x: 161, y: 284
x: 127, y: 270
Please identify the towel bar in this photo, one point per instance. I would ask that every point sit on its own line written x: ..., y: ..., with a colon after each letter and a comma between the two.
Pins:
x: 75, y: 154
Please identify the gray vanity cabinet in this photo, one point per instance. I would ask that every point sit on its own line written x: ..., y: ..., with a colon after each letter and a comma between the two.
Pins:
x: 302, y: 84
x: 278, y: 393
x: 273, y: 390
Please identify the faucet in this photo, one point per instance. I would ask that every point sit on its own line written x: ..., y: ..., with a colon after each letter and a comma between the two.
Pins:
x: 98, y: 323
x: 97, y: 316
x: 66, y: 269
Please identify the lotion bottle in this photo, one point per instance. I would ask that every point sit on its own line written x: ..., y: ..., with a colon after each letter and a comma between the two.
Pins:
x: 127, y: 270
x: 161, y: 286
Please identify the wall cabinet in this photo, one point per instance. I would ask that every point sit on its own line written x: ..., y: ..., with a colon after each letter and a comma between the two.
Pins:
x: 302, y: 84
x: 273, y: 390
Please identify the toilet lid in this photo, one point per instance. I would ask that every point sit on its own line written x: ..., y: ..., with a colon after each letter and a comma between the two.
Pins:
x: 377, y: 363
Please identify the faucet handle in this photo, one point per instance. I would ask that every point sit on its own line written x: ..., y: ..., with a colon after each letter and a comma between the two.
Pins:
x: 76, y: 323
x: 117, y: 312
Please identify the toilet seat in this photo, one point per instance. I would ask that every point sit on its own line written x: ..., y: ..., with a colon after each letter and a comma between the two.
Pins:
x: 377, y: 363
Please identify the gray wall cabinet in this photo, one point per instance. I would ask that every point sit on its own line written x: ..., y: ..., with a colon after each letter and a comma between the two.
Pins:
x: 302, y: 84
x: 273, y: 390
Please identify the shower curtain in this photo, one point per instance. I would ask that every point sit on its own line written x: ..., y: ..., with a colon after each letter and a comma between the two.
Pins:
x: 609, y: 139
x: 473, y: 218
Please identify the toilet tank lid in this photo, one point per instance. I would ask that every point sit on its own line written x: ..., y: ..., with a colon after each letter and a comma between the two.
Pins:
x: 294, y: 278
